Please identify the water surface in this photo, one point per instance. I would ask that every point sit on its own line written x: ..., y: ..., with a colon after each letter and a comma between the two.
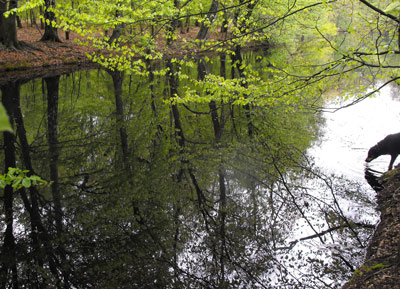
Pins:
x: 146, y: 193
x: 350, y: 132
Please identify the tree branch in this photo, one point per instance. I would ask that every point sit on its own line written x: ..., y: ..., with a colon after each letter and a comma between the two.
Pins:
x: 376, y: 9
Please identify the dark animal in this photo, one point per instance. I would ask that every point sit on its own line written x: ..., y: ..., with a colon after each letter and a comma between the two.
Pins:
x: 390, y: 145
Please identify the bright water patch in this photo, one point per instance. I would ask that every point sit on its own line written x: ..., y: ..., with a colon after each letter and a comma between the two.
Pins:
x: 350, y: 132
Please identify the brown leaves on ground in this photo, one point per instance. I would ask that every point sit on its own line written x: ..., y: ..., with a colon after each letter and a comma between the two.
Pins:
x: 37, y: 53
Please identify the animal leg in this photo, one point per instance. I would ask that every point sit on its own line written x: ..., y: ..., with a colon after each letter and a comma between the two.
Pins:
x: 392, y: 161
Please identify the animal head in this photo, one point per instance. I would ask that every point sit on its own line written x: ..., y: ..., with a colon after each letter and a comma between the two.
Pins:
x: 373, y: 153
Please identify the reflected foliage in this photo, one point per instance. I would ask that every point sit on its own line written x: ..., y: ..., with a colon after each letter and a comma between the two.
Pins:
x: 147, y: 191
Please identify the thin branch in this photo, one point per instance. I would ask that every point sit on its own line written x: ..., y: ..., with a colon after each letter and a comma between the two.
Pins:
x: 361, y: 98
x: 376, y: 9
x: 322, y: 233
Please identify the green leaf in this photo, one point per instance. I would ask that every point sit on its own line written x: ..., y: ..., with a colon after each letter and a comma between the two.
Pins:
x: 4, y: 123
x: 26, y: 182
x: 16, y: 183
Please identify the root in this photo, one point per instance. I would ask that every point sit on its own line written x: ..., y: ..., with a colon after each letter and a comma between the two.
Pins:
x: 24, y: 45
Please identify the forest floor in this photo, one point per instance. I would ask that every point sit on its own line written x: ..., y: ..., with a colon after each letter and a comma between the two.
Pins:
x: 47, y: 53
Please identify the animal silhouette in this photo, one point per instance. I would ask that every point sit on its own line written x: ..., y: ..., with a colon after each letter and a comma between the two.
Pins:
x: 390, y: 145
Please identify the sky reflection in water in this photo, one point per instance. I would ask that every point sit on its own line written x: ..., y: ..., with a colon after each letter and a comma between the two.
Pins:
x: 350, y: 132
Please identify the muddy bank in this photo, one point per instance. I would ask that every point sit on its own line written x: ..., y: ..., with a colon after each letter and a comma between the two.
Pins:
x: 381, y: 268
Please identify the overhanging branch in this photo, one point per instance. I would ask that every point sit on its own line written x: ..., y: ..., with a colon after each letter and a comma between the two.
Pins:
x: 376, y: 9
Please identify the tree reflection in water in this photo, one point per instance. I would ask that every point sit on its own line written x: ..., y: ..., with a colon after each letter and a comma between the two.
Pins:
x: 148, y: 192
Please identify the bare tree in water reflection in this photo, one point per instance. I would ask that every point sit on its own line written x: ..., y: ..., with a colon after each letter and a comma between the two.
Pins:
x: 148, y: 192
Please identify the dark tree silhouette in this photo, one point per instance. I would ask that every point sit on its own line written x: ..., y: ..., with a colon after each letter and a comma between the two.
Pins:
x: 50, y: 32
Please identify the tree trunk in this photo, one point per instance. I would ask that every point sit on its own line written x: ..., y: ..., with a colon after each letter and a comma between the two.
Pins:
x: 222, y: 232
x: 116, y: 34
x: 40, y: 238
x: 173, y: 86
x: 50, y: 32
x: 3, y: 28
x: 8, y: 252
x: 117, y: 78
x: 8, y: 28
x: 211, y: 16
x: 52, y: 84
x: 202, y: 72
x: 41, y: 19
x: 33, y: 18
x: 173, y: 24
x: 19, y: 23
x: 238, y: 60
x: 224, y: 27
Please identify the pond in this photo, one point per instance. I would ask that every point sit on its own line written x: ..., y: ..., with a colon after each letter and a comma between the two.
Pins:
x: 349, y: 133
x: 145, y: 192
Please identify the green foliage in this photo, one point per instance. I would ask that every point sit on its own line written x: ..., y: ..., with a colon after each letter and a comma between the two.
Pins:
x: 368, y: 269
x: 18, y: 178
x: 25, y: 7
x: 143, y: 171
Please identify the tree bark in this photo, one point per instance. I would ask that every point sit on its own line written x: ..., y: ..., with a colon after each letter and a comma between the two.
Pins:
x: 238, y: 64
x: 211, y: 16
x: 8, y: 252
x: 173, y: 86
x: 52, y: 84
x: 117, y: 29
x: 41, y: 240
x: 3, y: 28
x: 8, y: 27
x: 222, y: 231
x: 50, y: 32
x: 202, y: 72
x: 19, y: 22
x: 117, y: 78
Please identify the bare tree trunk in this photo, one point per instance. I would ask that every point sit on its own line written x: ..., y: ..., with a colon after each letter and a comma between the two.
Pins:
x: 202, y: 72
x: 224, y: 27
x: 41, y: 240
x: 8, y: 28
x: 19, y: 23
x: 8, y: 252
x: 222, y: 232
x: 32, y: 17
x: 52, y: 84
x: 238, y: 64
x: 173, y: 24
x: 3, y: 27
x: 117, y: 78
x: 173, y: 85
